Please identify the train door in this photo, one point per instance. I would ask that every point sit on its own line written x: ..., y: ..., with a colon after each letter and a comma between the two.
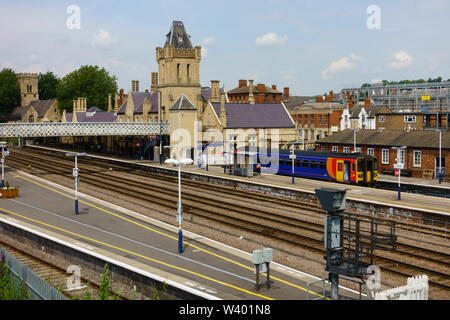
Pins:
x: 340, y: 170
x: 369, y: 169
x: 346, y: 171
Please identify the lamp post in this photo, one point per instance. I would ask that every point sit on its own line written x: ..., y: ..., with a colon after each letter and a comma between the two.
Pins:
x: 3, y: 146
x: 354, y: 140
x: 75, y: 174
x: 160, y: 126
x: 179, y: 206
x: 440, y: 156
x: 399, y: 165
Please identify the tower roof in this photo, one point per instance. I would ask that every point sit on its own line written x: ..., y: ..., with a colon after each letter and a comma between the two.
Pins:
x: 178, y: 37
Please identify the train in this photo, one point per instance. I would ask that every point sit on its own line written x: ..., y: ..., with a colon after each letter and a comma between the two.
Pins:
x: 349, y: 168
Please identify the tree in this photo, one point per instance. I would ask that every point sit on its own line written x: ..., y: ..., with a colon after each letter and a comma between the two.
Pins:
x: 89, y: 82
x: 47, y: 83
x: 9, y: 91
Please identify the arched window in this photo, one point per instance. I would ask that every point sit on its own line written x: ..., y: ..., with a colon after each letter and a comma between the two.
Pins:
x: 187, y: 70
x: 31, y: 118
x: 178, y: 70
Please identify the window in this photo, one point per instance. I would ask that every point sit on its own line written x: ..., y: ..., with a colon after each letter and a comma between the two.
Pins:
x: 346, y: 150
x: 306, y: 119
x: 381, y: 118
x: 178, y: 70
x: 370, y: 151
x: 322, y: 165
x: 334, y: 149
x: 358, y: 149
x: 296, y: 163
x: 312, y: 119
x: 305, y: 164
x: 325, y: 120
x: 417, y: 158
x: 320, y: 120
x: 410, y: 119
x: 281, y: 161
x: 385, y: 156
x: 187, y: 70
x: 353, y: 167
x: 400, y: 156
x: 313, y: 164
x: 360, y: 165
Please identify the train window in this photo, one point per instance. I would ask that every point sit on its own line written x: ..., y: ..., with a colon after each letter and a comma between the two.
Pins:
x: 322, y: 165
x: 313, y: 164
x: 305, y: 164
x: 353, y: 167
x: 360, y: 164
x: 296, y: 163
x: 375, y: 164
x: 281, y: 161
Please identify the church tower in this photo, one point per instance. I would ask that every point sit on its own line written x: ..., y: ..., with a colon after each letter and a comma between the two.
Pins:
x: 178, y: 69
x: 28, y: 85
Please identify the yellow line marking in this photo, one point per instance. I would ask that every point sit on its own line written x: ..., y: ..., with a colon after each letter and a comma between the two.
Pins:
x: 163, y: 234
x: 137, y: 254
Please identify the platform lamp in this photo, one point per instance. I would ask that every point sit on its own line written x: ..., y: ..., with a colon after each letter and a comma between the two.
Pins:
x: 76, y: 175
x: 399, y: 166
x: 4, y: 153
x: 179, y: 206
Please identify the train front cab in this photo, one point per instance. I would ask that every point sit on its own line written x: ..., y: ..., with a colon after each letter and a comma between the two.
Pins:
x: 367, y: 171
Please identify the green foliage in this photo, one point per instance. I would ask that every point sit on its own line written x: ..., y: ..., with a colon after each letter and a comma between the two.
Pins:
x: 7, y: 184
x: 157, y: 294
x: 9, y: 91
x: 10, y: 289
x: 105, y: 285
x: 87, y: 293
x: 47, y: 84
x: 89, y: 82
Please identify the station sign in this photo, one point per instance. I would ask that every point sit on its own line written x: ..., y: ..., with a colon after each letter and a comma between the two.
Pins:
x: 75, y: 172
x: 5, y: 153
x: 399, y: 165
x: 292, y: 156
x: 424, y: 98
x: 396, y: 172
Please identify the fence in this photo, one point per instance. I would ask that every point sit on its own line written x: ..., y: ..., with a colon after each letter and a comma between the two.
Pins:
x: 415, y: 289
x: 39, y: 289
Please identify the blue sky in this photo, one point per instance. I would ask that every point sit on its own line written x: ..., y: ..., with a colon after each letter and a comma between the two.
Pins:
x: 310, y: 46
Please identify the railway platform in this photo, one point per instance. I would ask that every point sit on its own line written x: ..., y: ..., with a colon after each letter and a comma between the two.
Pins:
x: 436, y: 207
x: 206, y: 268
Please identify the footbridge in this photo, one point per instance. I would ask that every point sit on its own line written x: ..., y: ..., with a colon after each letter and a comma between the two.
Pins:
x: 73, y: 129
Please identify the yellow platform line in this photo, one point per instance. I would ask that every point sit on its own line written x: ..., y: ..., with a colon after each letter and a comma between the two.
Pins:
x: 137, y: 254
x: 164, y: 234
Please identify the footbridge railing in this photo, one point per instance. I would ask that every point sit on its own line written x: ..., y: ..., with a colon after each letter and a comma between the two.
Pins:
x: 70, y: 129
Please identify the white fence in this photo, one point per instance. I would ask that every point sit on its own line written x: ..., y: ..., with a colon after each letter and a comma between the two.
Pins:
x: 71, y: 129
x: 415, y: 289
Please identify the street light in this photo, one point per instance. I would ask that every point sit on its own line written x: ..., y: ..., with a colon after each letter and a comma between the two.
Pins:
x: 76, y: 175
x: 180, y: 209
x: 399, y: 166
x: 4, y: 153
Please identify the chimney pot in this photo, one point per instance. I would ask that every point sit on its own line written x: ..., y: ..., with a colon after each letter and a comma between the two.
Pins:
x: 286, y: 92
x: 242, y: 83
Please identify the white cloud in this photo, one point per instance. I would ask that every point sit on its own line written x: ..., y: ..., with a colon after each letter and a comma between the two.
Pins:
x: 344, y: 64
x: 401, y: 60
x: 270, y: 39
x: 204, y: 52
x: 103, y: 39
x: 208, y: 41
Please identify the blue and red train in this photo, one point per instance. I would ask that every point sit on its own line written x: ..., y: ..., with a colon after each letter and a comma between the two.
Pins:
x: 352, y: 168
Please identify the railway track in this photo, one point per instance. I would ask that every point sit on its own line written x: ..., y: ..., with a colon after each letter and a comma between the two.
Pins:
x: 219, y: 204
x: 55, y: 275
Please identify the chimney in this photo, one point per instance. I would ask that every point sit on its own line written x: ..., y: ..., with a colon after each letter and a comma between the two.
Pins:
x: 242, y: 83
x: 146, y: 90
x: 261, y: 88
x: 136, y: 86
x: 109, y: 103
x: 286, y: 92
x: 223, y: 113
x: 133, y: 86
x: 251, y: 98
x: 154, y: 86
x: 274, y: 87
x: 122, y: 98
x: 215, y: 91
x: 367, y: 102
x: 116, y: 103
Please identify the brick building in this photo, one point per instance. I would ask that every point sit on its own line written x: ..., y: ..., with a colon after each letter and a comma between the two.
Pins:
x: 261, y: 93
x: 421, y: 154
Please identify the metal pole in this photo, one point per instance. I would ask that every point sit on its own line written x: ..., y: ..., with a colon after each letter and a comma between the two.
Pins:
x: 293, y: 165
x: 76, y: 186
x: 399, y: 174
x: 3, y: 169
x: 440, y: 156
x: 180, y: 218
x: 334, y: 279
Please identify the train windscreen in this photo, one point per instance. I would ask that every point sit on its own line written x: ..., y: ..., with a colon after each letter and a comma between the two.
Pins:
x: 360, y: 164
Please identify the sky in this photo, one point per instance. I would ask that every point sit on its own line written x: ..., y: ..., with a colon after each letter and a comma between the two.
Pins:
x: 311, y: 47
